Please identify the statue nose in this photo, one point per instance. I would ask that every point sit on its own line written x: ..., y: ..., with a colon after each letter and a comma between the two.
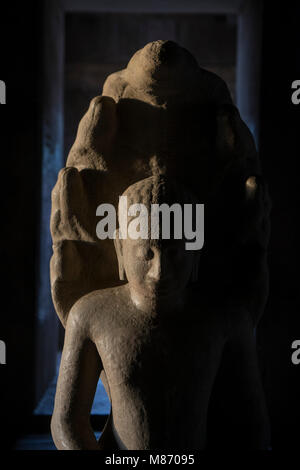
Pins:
x: 158, y: 269
x: 155, y: 271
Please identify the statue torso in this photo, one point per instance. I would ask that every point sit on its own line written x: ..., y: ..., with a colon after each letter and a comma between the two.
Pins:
x: 160, y: 371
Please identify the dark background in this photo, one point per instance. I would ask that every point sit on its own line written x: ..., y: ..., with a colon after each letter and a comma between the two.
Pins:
x: 21, y: 37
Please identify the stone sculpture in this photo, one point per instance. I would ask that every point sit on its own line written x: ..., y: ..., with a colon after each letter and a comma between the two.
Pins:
x: 162, y: 119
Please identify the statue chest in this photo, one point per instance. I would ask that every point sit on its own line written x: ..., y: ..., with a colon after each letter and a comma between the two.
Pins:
x: 135, y: 354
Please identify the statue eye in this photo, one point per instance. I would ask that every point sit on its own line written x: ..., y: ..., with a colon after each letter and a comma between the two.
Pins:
x: 149, y: 254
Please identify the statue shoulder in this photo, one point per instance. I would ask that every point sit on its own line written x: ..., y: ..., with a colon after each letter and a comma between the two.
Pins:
x: 94, y: 308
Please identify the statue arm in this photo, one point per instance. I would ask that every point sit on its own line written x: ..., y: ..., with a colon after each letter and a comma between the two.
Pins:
x: 249, y: 407
x: 78, y: 377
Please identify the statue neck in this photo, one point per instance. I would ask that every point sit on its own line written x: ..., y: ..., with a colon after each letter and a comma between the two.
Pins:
x: 158, y: 304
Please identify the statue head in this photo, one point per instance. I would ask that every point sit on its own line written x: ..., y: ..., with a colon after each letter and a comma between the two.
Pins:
x: 157, y: 264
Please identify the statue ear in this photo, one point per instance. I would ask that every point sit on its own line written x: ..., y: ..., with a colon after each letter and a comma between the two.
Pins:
x: 119, y: 252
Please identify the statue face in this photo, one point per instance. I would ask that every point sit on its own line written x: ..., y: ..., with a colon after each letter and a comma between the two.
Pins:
x: 157, y: 268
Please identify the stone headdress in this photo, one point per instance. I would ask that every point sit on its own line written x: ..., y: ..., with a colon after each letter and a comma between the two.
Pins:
x: 163, y: 114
